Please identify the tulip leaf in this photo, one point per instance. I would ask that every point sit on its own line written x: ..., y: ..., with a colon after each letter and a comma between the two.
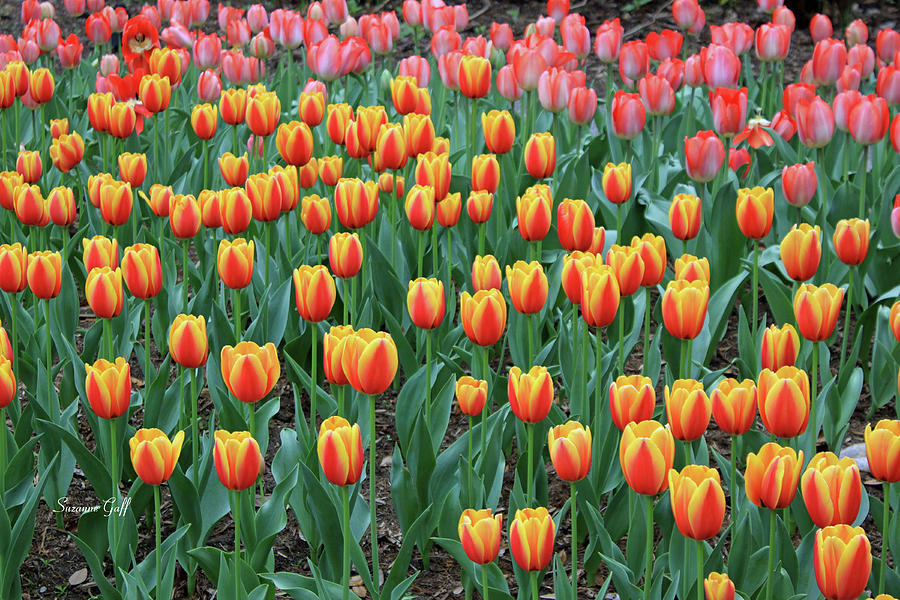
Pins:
x: 93, y: 468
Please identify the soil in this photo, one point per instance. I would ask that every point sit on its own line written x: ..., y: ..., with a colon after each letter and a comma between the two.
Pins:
x: 54, y: 558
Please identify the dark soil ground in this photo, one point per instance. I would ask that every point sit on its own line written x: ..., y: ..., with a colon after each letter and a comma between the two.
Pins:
x: 54, y: 560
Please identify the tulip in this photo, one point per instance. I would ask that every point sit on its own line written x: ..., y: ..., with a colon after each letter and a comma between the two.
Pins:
x: 294, y: 142
x: 264, y: 194
x: 772, y: 41
x: 772, y: 476
x: 142, y: 270
x: 263, y: 111
x: 869, y: 120
x: 843, y: 561
x: 527, y: 286
x: 122, y: 120
x: 447, y: 212
x: 688, y: 409
x: 531, y: 536
x: 784, y: 403
x: 108, y: 387
x: 485, y: 173
x: 815, y: 122
x: 569, y: 447
x: 235, y: 210
x: 704, y: 154
x: 851, y: 241
x: 816, y: 310
x: 499, y: 131
x: 233, y: 105
x: 599, y: 295
x: 631, y: 400
x: 534, y: 212
x: 103, y: 291
x: 799, y: 183
x: 28, y: 165
x: 882, y: 442
x: 628, y: 115
x: 685, y: 216
x: 729, y: 110
x: 9, y: 183
x: 153, y: 456
x: 30, y: 206
x: 61, y: 206
x: 829, y: 58
x: 718, y: 587
x: 188, y: 343
x: 425, y: 302
x: 575, y: 224
x: 832, y: 490
x: 315, y: 212
x: 480, y: 532
x: 234, y: 260
x: 238, y: 459
x: 418, y: 131
x: 66, y: 151
x: 540, y: 155
x: 801, y: 250
x: 370, y: 361
x: 474, y: 76
x: 734, y: 406
x: 155, y: 92
x: 434, y: 170
x: 483, y: 316
x: 657, y: 95
x: 698, y: 502
x: 684, y: 307
x: 646, y: 453
x: 44, y: 273
x: 340, y: 451
x: 574, y: 265
x: 345, y: 254
x: 690, y: 268
x: 616, y: 183
x: 820, y: 27
x: 98, y: 251
x: 132, y: 169
x: 250, y: 371
x: 471, y: 394
x: 486, y: 273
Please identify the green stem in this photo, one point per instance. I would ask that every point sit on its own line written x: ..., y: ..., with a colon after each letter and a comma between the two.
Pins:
x: 354, y: 317
x: 647, y: 311
x: 754, y: 284
x: 681, y: 368
x: 434, y: 249
x: 813, y: 408
x: 420, y: 254
x: 237, y: 540
x: 469, y: 463
x: 534, y: 585
x: 733, y: 489
x: 428, y: 380
x: 2, y: 454
x: 885, y: 535
x: 236, y: 314
x: 863, y: 165
x: 449, y: 256
x: 345, y: 497
x: 485, y: 373
x: 268, y: 236
x: 146, y: 345
x: 481, y: 239
x: 771, y: 563
x: 619, y: 236
x: 530, y: 326
x: 12, y: 315
x: 648, y: 565
x: 313, y: 392
x: 484, y: 582
x: 195, y: 428
x: 598, y: 392
x: 340, y: 396
x: 572, y: 493
x: 49, y: 349
x: 181, y: 410
x: 530, y: 470
x: 373, y: 523
x: 847, y: 311
x: 113, y: 460
x: 158, y: 548
x: 621, y: 319
x: 699, y: 569
x: 234, y: 140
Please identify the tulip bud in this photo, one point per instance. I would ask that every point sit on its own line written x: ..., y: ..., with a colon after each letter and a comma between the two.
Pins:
x: 527, y: 286
x: 142, y: 270
x: 832, y: 489
x: 107, y: 386
x: 188, y: 343
x: 44, y: 273
x: 882, y: 443
x: 685, y: 216
x: 698, y: 502
x: 531, y: 536
x: 569, y: 446
x: 772, y: 476
x: 486, y: 273
x: 237, y: 458
x: 842, y: 557
x: 646, y: 453
x: 817, y: 309
x: 425, y: 302
x: 851, y: 240
x: 616, y: 182
x: 599, y: 295
x: 471, y: 394
x: 103, y: 291
x: 153, y: 456
x: 369, y: 361
x: 480, y: 532
x: 340, y: 451
x: 499, y: 131
x: 688, y: 409
x: 483, y: 316
x: 734, y: 405
x: 540, y: 155
x: 534, y: 210
x: 631, y: 400
x: 690, y: 268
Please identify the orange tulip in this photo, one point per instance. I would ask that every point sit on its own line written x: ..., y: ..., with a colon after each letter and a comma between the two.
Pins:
x: 684, y: 307
x: 116, y: 201
x: 419, y: 207
x: 486, y: 273
x: 98, y: 106
x: 599, y: 295
x: 534, y: 210
x: 339, y: 115
x: 540, y: 155
x: 433, y: 170
x: 718, y: 587
x: 479, y: 206
x: 188, y: 343
x: 100, y: 251
x: 153, y: 456
x: 471, y: 394
x: 832, y: 489
x: 483, y: 316
x: 784, y: 401
x: 250, y: 371
x: 8, y: 385
x: 166, y: 62
x: 235, y: 210
x: 527, y: 286
x: 233, y: 105
x: 30, y: 206
x: 485, y: 173
x: 331, y: 169
x: 631, y: 400
x: 688, y: 409
x: 531, y: 536
x: 263, y: 112
x: 108, y: 387
x: 616, y: 182
x: 66, y: 151
x: 418, y: 130
x: 355, y: 202
x: 204, y: 120
x: 294, y: 141
x: 122, y: 119
x: 842, y: 556
x: 479, y: 533
x: 234, y: 261
x: 425, y: 302
x: 345, y: 254
x: 184, y: 216
x: 499, y: 131
x: 340, y: 451
x: 690, y: 268
x: 772, y: 476
x: 574, y: 265
x: 315, y: 212
x: 698, y: 502
x: 311, y: 107
x: 390, y: 147
x: 530, y: 394
x: 574, y: 224
x: 155, y: 92
x: 646, y: 453
x: 142, y: 270
x: 851, y: 240
x: 569, y: 445
x: 734, y: 405
x: 210, y: 213
x: 652, y: 249
x: 333, y: 344
x: 882, y: 444
x: 628, y: 265
x: 474, y: 76
x: 158, y: 200
x: 685, y: 216
x: 370, y: 361
x: 237, y: 458
x: 9, y: 182
x: 44, y: 273
x: 314, y: 292
x: 103, y: 291
x: 448, y: 210
x: 404, y: 94
x: 265, y: 197
x: 754, y: 210
x: 780, y: 347
x: 816, y: 310
x: 41, y: 85
x: 234, y: 168
x: 369, y: 121
x: 801, y: 250
x: 13, y: 268
x: 59, y: 127
x: 61, y: 206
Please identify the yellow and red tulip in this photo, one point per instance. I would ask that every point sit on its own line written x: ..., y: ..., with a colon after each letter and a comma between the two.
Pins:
x: 600, y: 295
x: 314, y: 292
x: 801, y: 250
x: 530, y: 394
x: 483, y: 316
x: 250, y: 371
x: 646, y: 454
x: 471, y: 395
x: 345, y: 254
x: 851, y: 240
x: 425, y: 302
x: 842, y: 557
x: 44, y: 273
x: 369, y: 361
x: 569, y: 446
x: 531, y: 535
x: 882, y: 445
x: 780, y: 347
x: 103, y: 292
x: 479, y: 533
x: 631, y: 400
x: 13, y: 268
x: 153, y: 455
x: 237, y: 458
x: 234, y: 261
x: 527, y: 286
x: 832, y: 489
x: 540, y: 155
x: 754, y: 210
x: 772, y: 476
x: 142, y: 270
x: 698, y: 502
x: 783, y: 397
x: 616, y: 182
x: 734, y: 405
x: 188, y: 343
x: 688, y: 409
x: 108, y: 387
x: 340, y: 451
x: 816, y: 309
x: 684, y: 307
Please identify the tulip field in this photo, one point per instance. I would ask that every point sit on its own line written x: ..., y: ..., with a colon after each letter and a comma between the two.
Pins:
x: 423, y: 300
